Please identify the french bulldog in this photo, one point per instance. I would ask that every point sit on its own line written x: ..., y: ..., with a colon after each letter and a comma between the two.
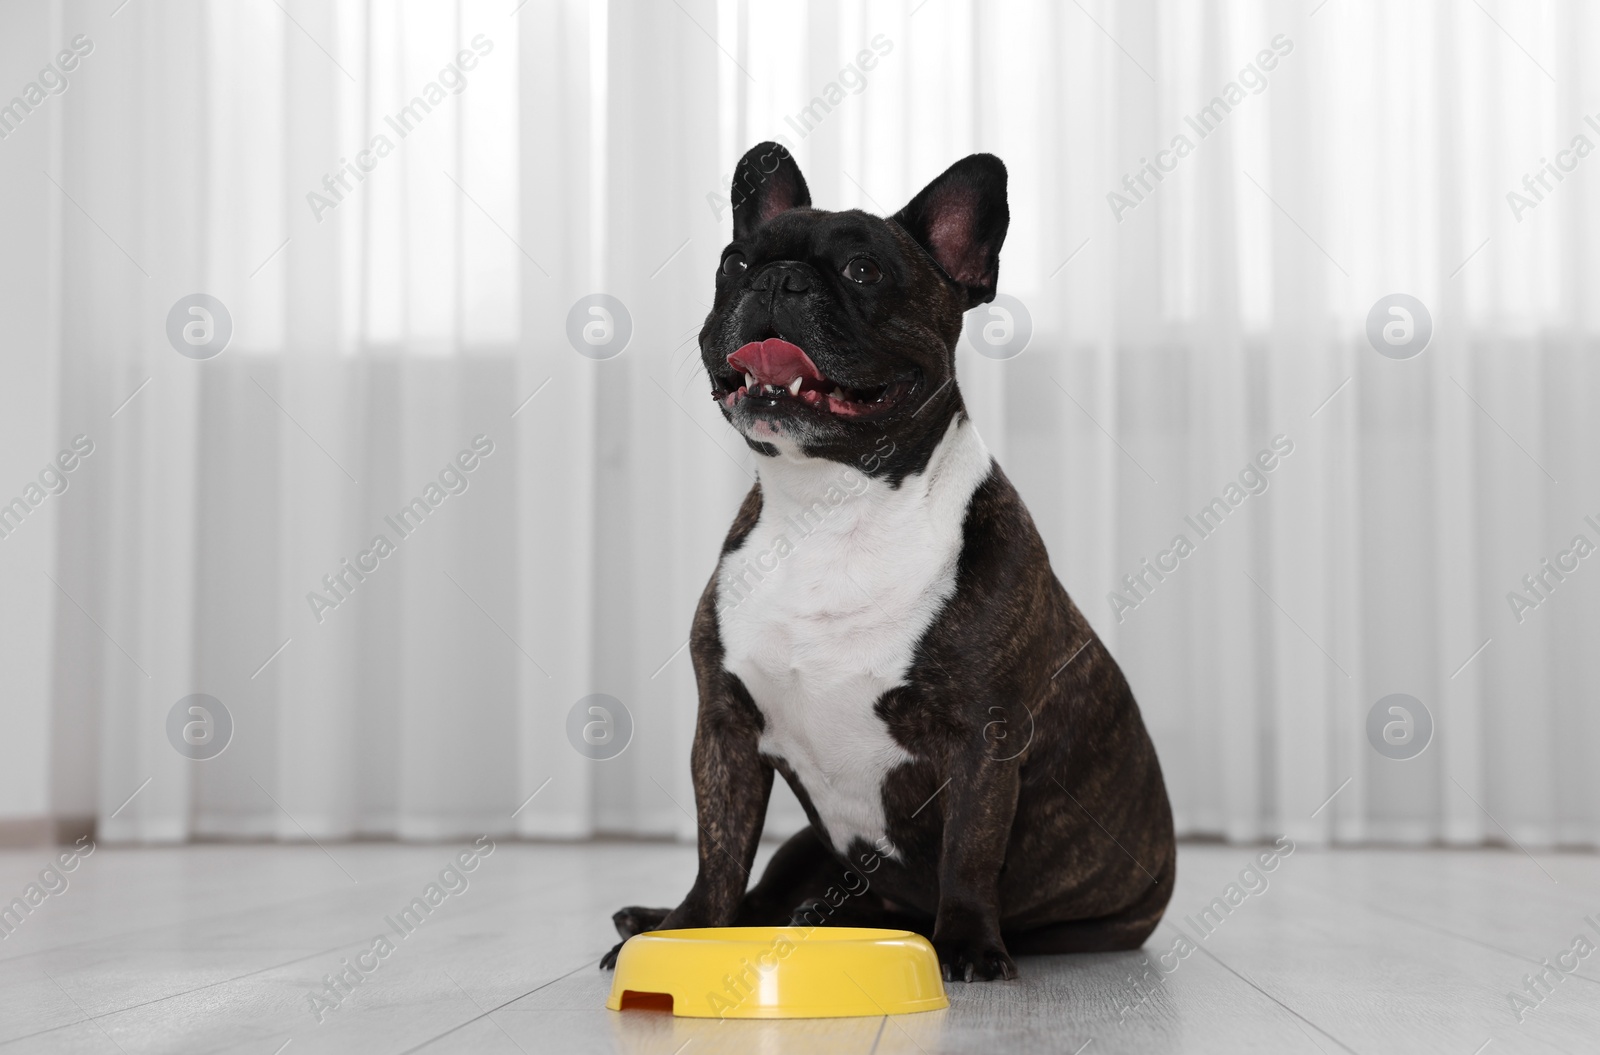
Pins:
x: 883, y: 627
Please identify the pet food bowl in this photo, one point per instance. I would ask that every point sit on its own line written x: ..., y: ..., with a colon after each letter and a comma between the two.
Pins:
x: 778, y: 972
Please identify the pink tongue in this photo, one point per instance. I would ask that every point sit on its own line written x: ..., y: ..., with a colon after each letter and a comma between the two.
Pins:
x: 774, y: 362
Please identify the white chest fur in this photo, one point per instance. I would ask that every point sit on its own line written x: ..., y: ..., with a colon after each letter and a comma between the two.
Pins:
x: 821, y: 608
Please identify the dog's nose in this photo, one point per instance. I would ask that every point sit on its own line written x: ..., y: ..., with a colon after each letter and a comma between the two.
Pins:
x: 785, y: 275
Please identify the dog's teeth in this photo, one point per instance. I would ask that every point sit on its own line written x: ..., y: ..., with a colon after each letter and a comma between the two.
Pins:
x: 838, y: 393
x: 794, y: 387
x: 750, y: 380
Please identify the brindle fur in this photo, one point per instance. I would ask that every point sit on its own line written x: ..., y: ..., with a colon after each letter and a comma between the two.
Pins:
x: 1033, y: 817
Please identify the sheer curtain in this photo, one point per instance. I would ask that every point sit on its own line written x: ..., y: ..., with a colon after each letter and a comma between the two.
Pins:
x: 1188, y: 307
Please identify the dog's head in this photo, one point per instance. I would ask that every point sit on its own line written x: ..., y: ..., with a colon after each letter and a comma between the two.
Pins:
x: 833, y: 334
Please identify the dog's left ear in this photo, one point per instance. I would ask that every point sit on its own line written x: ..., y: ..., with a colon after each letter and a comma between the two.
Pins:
x: 961, y: 220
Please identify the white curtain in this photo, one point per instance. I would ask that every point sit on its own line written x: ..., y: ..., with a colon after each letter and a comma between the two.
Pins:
x: 1176, y: 332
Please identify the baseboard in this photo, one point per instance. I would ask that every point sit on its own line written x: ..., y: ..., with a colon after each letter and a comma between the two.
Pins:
x: 17, y: 833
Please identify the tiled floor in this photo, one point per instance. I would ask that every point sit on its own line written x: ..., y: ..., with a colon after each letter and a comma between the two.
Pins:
x: 218, y: 948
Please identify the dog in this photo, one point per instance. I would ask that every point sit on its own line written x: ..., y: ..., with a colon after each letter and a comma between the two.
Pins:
x: 883, y: 627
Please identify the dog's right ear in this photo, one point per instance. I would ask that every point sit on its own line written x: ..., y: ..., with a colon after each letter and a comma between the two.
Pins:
x: 766, y: 183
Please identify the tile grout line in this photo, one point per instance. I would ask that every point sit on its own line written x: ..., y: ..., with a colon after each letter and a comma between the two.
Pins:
x: 1216, y: 959
x: 173, y: 996
x: 499, y: 1007
x: 1435, y: 929
x: 363, y: 943
x: 234, y: 914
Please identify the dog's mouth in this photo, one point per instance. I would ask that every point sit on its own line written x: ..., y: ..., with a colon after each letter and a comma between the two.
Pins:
x: 775, y: 374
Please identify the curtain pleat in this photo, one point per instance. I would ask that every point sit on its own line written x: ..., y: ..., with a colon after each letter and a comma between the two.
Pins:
x: 387, y: 320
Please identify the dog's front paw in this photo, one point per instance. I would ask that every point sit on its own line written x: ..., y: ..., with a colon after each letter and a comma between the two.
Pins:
x: 630, y: 921
x: 974, y: 959
x: 636, y: 920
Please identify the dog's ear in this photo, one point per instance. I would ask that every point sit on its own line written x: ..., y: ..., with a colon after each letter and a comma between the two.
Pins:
x: 766, y: 183
x: 961, y: 220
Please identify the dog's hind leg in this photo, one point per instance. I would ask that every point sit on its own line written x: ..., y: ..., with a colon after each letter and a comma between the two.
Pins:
x: 802, y: 868
x: 636, y: 920
x: 1112, y: 934
x: 1118, y: 932
x: 805, y: 885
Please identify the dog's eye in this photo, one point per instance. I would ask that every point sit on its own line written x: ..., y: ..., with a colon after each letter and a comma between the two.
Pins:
x: 733, y: 263
x: 862, y: 270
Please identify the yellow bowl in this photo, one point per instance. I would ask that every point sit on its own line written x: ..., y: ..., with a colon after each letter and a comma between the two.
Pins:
x: 778, y: 972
